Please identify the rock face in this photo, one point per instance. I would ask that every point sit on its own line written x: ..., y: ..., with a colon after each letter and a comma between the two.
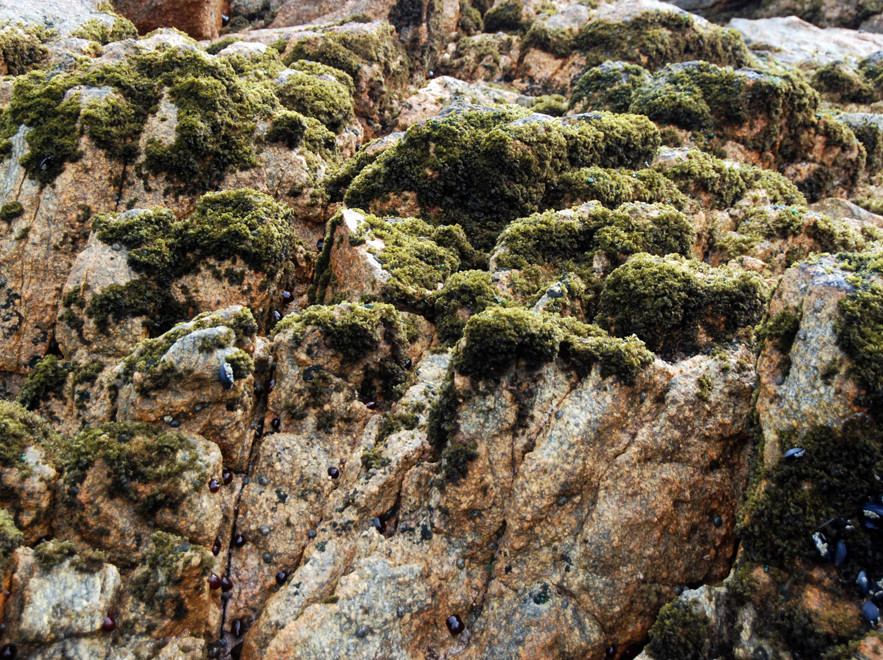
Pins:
x: 488, y: 329
x: 199, y: 19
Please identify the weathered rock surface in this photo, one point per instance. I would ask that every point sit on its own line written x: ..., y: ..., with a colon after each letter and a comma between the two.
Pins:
x: 198, y: 18
x: 434, y: 329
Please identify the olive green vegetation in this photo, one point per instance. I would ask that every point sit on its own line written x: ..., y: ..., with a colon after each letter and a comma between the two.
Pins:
x: 463, y: 294
x: 10, y: 538
x: 328, y: 101
x: 23, y: 47
x: 217, y: 46
x: 832, y: 480
x: 156, y: 373
x: 759, y: 224
x: 680, y: 633
x: 47, y: 377
x: 496, y: 337
x: 418, y: 257
x: 781, y: 329
x: 353, y: 330
x: 666, y: 300
x: 219, y: 102
x: 843, y: 83
x: 614, y: 187
x: 554, y: 105
x: 656, y: 38
x: 860, y: 326
x: 53, y: 552
x: 239, y: 225
x: 872, y: 70
x: 20, y: 429
x: 716, y: 102
x: 471, y: 21
x: 505, y: 17
x: 611, y: 86
x: 721, y: 183
x: 11, y: 211
x: 166, y: 563
x: 151, y: 467
x: 97, y: 30
x: 567, y: 237
x: 482, y: 169
x: 375, y: 58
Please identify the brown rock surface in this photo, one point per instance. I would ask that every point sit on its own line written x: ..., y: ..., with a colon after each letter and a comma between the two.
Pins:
x: 200, y: 19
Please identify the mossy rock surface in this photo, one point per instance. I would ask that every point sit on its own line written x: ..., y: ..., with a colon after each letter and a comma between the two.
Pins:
x: 483, y: 168
x: 219, y: 102
x: 151, y: 467
x: 155, y: 373
x: 242, y: 226
x: 656, y: 38
x: 355, y: 331
x: 666, y: 300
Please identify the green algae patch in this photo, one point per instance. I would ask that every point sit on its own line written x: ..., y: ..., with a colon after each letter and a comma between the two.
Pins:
x: 680, y: 633
x: 21, y: 429
x: 11, y: 211
x: 373, y: 58
x: 418, y: 256
x: 152, y: 468
x: 505, y: 17
x: 355, y: 331
x: 614, y: 187
x: 609, y: 86
x: 482, y: 169
x: 721, y: 183
x: 47, y: 377
x: 238, y: 225
x: 97, y: 30
x: 656, y: 38
x: 574, y: 236
x: 464, y: 294
x: 666, y: 300
x: 832, y: 480
x: 23, y: 47
x: 860, y: 327
x: 498, y: 336
x: 328, y: 101
x: 219, y: 102
x: 10, y: 538
x: 844, y: 84
x: 167, y: 562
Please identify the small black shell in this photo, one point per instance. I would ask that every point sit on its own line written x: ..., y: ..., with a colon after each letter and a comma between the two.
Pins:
x: 225, y: 375
x: 864, y: 584
x: 794, y: 453
x: 871, y: 612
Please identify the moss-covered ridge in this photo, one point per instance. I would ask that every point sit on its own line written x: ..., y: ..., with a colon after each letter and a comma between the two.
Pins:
x: 666, y: 300
x: 242, y: 226
x: 566, y: 237
x: 219, y: 102
x: 482, y: 168
x: 774, y: 113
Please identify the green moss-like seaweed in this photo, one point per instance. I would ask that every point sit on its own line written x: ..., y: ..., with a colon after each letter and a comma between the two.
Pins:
x: 482, y: 169
x: 47, y: 377
x: 151, y: 467
x: 723, y: 183
x: 463, y: 294
x: 666, y: 300
x: 680, y: 633
x: 655, y: 38
x: 576, y: 235
x: 23, y: 47
x: 10, y: 538
x: 20, y: 429
x: 353, y: 330
x: 97, y: 30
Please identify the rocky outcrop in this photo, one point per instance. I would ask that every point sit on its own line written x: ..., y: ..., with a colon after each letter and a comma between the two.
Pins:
x: 199, y: 19
x: 414, y: 330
